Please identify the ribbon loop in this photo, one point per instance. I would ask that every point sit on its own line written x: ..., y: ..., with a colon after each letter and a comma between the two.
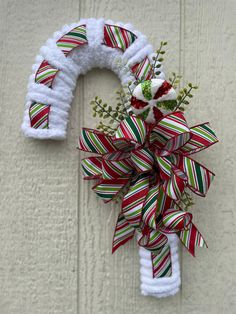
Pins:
x: 171, y: 133
x: 142, y: 159
x: 92, y: 167
x: 108, y: 189
x: 132, y: 129
x: 113, y: 169
x: 153, y: 241
x: 94, y: 141
x: 176, y: 220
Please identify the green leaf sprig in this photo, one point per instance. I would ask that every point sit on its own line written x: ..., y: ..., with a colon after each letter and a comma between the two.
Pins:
x: 157, y: 59
x: 107, y: 112
x: 186, y: 201
x: 175, y: 80
x: 184, y: 96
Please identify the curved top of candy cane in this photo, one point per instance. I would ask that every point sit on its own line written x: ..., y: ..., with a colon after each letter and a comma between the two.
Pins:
x: 73, y: 51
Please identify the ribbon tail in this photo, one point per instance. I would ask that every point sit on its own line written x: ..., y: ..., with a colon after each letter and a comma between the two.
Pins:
x: 199, y: 177
x: 161, y: 263
x: 123, y: 232
x: 192, y: 238
x: 107, y: 190
x: 202, y: 137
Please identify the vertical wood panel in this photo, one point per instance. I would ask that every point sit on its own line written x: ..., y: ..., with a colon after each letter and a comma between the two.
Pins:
x: 209, y: 59
x: 110, y: 283
x: 38, y: 219
x: 55, y: 236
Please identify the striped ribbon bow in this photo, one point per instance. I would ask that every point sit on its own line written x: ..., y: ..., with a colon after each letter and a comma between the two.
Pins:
x: 149, y: 165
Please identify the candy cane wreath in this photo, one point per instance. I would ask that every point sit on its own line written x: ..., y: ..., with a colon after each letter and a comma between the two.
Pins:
x: 147, y: 155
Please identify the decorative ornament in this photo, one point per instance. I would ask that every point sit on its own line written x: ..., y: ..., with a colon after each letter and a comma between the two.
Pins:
x: 143, y: 156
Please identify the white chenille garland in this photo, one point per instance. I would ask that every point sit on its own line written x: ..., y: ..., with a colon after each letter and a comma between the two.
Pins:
x: 160, y: 287
x: 79, y: 61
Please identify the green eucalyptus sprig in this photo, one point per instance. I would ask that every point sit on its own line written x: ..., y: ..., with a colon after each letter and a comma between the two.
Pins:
x: 103, y: 111
x: 157, y: 59
x: 175, y: 80
x: 184, y: 96
x: 186, y: 201
x: 106, y: 129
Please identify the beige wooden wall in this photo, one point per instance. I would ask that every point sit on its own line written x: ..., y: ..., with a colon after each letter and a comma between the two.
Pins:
x: 55, y: 236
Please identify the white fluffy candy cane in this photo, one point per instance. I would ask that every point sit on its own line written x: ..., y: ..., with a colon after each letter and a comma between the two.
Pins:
x: 102, y: 44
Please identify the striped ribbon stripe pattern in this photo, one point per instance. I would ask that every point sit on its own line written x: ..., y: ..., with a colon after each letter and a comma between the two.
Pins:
x: 39, y: 116
x: 91, y: 167
x: 174, y: 187
x: 199, y: 177
x: 161, y: 263
x: 118, y: 37
x: 171, y: 132
x: 164, y: 202
x: 142, y: 70
x: 132, y: 129
x: 116, y: 168
x: 45, y: 74
x: 142, y: 159
x: 165, y: 166
x: 132, y: 203
x: 95, y: 142
x: 202, y: 137
x: 192, y: 238
x: 154, y: 241
x: 149, y: 211
x: 176, y: 220
x: 73, y: 39
x: 123, y: 232
x: 107, y: 190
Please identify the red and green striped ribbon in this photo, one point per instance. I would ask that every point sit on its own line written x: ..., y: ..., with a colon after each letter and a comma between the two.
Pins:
x: 133, y: 200
x: 94, y: 141
x: 199, y: 178
x: 150, y: 207
x: 118, y: 37
x: 171, y: 133
x: 132, y: 129
x: 123, y: 232
x: 112, y: 169
x: 153, y: 240
x: 73, y: 39
x: 92, y: 167
x: 174, y: 220
x: 142, y: 159
x: 165, y: 166
x: 192, y: 238
x: 142, y: 70
x: 39, y: 116
x: 45, y: 74
x: 174, y: 187
x: 202, y: 137
x: 161, y: 263
x: 107, y: 189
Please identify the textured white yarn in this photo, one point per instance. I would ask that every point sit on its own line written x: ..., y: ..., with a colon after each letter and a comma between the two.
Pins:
x: 160, y: 287
x: 78, y: 62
